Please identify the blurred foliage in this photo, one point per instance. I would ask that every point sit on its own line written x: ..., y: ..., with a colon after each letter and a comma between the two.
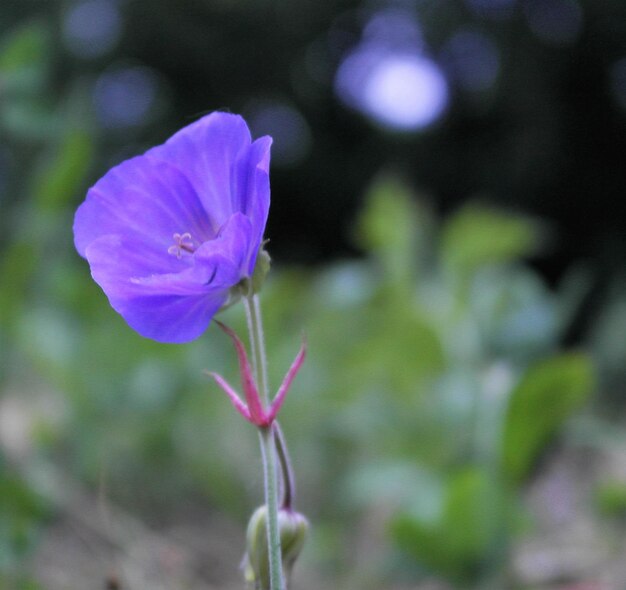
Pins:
x: 25, y: 109
x: 22, y: 60
x: 20, y: 510
x: 432, y: 388
x: 546, y: 395
x: 611, y: 498
x: 435, y: 384
x: 477, y: 237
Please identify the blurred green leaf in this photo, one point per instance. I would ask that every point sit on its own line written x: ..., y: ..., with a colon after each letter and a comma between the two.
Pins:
x: 466, y: 532
x: 400, y: 350
x: 546, y: 395
x: 16, y: 266
x: 516, y: 313
x: 611, y: 498
x: 20, y: 514
x: 477, y: 236
x: 345, y: 285
x: 391, y: 226
x: 23, y: 59
x: 608, y: 341
x: 396, y: 481
x: 63, y: 169
x: 30, y: 118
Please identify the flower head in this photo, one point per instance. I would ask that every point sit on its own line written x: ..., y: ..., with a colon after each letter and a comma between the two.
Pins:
x: 169, y: 233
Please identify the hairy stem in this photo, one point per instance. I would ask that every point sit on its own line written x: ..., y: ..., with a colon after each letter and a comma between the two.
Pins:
x: 257, y: 343
x: 268, y: 447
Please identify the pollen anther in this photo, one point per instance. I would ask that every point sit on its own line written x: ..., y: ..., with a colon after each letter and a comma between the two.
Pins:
x: 183, y: 242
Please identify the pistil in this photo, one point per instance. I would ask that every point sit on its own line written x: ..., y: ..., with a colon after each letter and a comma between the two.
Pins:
x: 183, y: 243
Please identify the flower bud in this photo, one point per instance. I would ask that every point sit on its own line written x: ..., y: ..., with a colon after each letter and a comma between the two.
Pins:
x: 293, y: 527
x: 261, y: 268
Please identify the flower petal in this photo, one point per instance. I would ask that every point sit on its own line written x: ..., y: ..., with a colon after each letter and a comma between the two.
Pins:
x: 256, y: 201
x: 233, y: 243
x: 169, y: 307
x: 208, y: 151
x: 145, y: 199
x: 170, y: 318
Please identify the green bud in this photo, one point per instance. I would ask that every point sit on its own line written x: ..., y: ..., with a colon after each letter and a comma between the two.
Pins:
x: 253, y: 284
x: 293, y: 527
x: 261, y: 268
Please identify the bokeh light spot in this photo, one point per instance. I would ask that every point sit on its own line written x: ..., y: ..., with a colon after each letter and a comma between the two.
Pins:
x: 473, y: 60
x: 92, y: 28
x: 497, y: 9
x: 558, y: 22
x: 395, y: 27
x: 402, y: 91
x: 406, y: 92
x: 288, y: 128
x: 125, y: 96
x: 388, y: 76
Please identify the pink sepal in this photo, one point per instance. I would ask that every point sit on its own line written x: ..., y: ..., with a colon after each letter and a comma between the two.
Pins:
x: 286, y: 384
x: 250, y: 390
x: 253, y: 411
x: 232, y: 394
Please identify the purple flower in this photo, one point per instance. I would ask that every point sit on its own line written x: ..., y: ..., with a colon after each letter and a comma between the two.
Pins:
x: 168, y: 234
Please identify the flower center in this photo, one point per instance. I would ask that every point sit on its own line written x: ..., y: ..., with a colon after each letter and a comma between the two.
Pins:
x: 183, y: 243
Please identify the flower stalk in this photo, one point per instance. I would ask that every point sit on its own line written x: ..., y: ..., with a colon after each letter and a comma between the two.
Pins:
x: 276, y: 533
x: 266, y: 438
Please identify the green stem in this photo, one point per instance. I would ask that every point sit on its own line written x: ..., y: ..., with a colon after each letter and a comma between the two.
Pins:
x: 266, y: 438
x: 257, y: 343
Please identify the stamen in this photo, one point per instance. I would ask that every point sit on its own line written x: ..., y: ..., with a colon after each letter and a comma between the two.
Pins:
x: 183, y: 242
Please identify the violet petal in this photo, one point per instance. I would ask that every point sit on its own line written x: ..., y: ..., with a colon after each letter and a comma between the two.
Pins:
x: 149, y: 200
x: 170, y: 233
